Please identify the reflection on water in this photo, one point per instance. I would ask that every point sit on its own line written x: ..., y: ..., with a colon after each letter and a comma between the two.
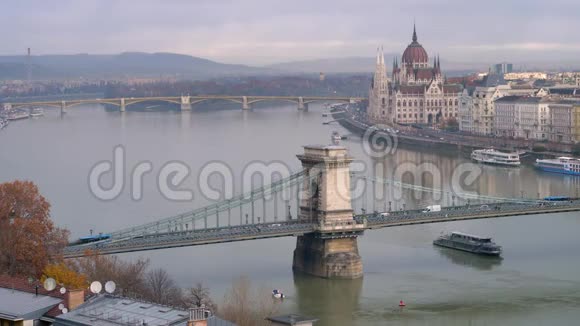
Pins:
x: 463, y: 258
x: 334, y: 301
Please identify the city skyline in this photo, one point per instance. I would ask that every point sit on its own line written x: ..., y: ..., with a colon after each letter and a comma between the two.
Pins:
x: 254, y: 34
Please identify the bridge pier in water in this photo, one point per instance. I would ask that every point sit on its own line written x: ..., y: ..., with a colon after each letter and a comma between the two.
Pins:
x: 245, y: 103
x: 331, y: 251
x: 185, y: 103
x: 122, y: 106
x: 62, y: 107
x: 301, y: 105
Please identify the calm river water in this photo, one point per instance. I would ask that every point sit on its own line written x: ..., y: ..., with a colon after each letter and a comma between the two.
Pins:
x: 536, y: 283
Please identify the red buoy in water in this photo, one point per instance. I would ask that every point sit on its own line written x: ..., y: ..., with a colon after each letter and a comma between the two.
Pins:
x: 402, y: 303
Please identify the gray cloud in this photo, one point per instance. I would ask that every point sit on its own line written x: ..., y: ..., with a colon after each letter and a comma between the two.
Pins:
x: 259, y: 32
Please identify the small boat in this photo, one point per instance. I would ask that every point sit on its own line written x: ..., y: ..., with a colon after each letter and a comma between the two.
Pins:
x: 3, y: 123
x: 277, y: 294
x: 37, y: 112
x: 335, y: 137
x: 470, y: 243
x: 564, y: 165
x: 492, y: 156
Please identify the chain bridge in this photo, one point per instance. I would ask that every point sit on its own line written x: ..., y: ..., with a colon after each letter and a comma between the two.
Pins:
x: 316, y: 206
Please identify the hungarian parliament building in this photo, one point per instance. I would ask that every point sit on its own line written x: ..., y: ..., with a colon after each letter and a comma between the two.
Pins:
x: 417, y: 92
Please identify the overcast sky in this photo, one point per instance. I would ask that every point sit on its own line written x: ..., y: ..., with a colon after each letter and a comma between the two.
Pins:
x: 262, y: 32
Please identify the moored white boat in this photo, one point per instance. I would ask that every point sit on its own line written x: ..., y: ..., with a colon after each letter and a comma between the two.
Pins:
x: 564, y: 165
x: 18, y: 115
x: 492, y: 156
x: 37, y: 112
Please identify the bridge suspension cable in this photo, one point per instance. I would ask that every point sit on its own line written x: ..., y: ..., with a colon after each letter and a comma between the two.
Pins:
x: 465, y: 195
x: 176, y: 222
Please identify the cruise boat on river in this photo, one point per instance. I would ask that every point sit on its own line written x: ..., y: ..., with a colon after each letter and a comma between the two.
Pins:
x: 564, y: 165
x: 37, y: 112
x: 3, y: 123
x: 470, y: 243
x: 18, y: 115
x: 492, y: 156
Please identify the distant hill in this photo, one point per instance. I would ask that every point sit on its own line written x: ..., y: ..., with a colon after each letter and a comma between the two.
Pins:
x: 131, y: 63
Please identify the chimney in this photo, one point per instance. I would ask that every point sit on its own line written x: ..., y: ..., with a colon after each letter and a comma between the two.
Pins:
x: 75, y: 298
x: 198, y: 316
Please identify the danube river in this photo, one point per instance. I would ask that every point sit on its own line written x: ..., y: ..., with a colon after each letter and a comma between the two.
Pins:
x: 536, y: 283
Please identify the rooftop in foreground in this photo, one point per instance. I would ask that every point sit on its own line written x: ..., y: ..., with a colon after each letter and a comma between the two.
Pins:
x: 19, y: 305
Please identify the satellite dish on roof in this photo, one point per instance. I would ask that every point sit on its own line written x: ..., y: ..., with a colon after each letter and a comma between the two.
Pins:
x: 96, y: 287
x: 61, y: 306
x: 49, y: 284
x: 62, y: 290
x: 64, y: 311
x: 110, y: 287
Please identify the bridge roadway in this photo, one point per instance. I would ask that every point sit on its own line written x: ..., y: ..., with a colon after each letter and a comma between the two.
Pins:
x: 295, y: 228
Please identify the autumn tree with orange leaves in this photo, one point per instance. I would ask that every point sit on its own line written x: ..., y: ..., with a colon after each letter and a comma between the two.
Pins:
x: 29, y: 241
x: 65, y: 275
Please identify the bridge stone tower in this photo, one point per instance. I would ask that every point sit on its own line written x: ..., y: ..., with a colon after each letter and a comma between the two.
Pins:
x: 331, y: 251
x: 185, y: 103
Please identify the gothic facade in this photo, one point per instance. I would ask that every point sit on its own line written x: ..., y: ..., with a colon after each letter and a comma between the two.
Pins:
x: 416, y: 93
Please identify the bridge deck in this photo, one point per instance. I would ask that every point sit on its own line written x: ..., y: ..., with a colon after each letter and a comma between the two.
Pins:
x: 295, y: 228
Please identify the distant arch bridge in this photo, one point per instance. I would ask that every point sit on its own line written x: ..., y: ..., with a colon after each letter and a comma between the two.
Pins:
x: 186, y: 102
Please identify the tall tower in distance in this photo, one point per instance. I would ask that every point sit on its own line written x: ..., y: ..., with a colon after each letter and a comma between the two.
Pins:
x: 379, y: 92
x: 28, y: 67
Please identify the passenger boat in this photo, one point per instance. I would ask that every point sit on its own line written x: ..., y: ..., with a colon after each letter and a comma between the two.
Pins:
x: 468, y: 242
x: 37, y: 112
x: 17, y: 115
x: 564, y: 165
x: 3, y: 123
x: 492, y: 156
